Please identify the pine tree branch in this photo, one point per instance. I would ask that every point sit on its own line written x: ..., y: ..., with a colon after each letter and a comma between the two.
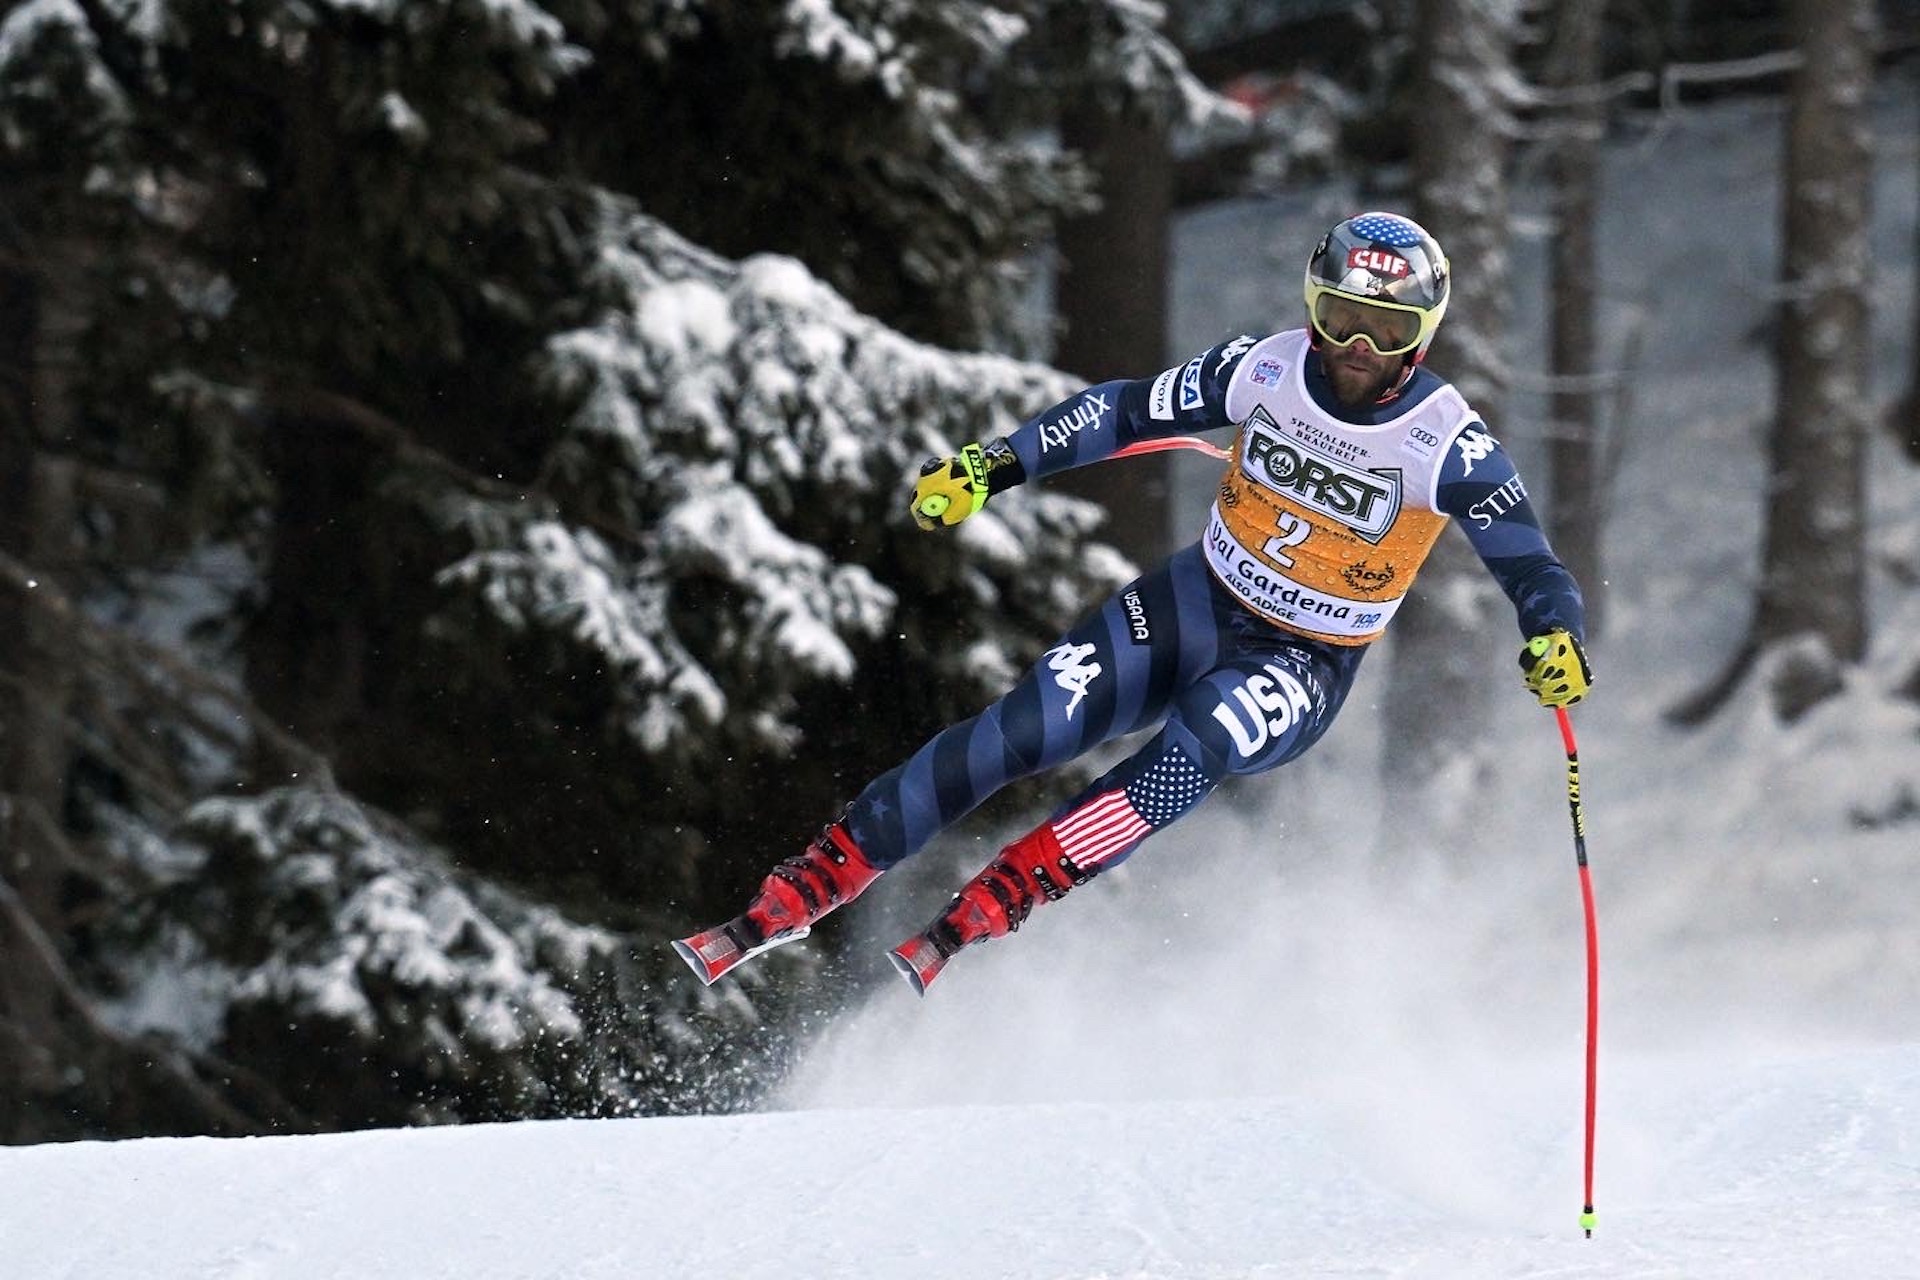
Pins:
x: 137, y: 661
x: 321, y: 405
x: 35, y: 960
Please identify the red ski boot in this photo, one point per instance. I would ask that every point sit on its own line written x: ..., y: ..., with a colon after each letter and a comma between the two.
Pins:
x: 994, y: 903
x: 828, y: 873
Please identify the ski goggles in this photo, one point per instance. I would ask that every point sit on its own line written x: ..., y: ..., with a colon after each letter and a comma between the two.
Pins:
x: 1390, y: 327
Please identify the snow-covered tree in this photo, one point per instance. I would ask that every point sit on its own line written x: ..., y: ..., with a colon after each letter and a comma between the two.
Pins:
x: 898, y: 147
x: 408, y: 991
x: 719, y: 549
x: 540, y: 525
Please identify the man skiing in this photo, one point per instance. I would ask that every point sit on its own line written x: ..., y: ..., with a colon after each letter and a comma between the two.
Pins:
x: 1350, y: 457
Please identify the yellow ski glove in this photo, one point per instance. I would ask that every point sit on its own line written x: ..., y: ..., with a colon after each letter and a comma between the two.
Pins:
x: 950, y: 489
x: 1556, y: 668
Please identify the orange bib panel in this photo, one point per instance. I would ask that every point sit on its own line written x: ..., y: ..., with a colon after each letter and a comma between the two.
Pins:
x: 1321, y: 525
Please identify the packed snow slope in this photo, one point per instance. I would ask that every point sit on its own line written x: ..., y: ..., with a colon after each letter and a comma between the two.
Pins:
x: 1788, y: 1169
x: 1292, y: 1038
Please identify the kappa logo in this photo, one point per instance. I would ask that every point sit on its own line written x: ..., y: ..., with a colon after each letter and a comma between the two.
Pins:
x: 1368, y: 502
x: 1233, y: 351
x: 1475, y: 445
x: 1073, y: 672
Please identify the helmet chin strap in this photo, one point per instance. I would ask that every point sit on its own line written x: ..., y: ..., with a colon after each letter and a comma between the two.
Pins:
x: 1392, y: 393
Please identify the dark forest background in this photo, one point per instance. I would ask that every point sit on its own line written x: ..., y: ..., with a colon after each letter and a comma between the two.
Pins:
x: 452, y: 460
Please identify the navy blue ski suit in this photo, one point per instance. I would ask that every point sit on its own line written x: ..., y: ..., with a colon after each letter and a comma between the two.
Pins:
x: 1243, y: 645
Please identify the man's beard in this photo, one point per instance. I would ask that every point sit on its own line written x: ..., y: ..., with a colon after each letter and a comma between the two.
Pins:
x: 1354, y: 394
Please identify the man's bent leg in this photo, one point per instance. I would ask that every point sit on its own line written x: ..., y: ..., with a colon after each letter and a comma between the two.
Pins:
x: 1294, y: 691
x: 828, y: 873
x: 1103, y: 679
x: 1098, y: 829
x: 1106, y: 677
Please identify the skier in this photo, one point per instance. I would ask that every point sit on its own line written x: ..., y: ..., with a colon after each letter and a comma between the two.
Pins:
x: 1349, y: 458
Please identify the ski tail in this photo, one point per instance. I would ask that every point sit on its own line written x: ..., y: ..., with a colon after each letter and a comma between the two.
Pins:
x: 713, y: 953
x: 919, y: 960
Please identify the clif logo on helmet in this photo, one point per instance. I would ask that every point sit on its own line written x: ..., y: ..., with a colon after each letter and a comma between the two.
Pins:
x: 1378, y: 261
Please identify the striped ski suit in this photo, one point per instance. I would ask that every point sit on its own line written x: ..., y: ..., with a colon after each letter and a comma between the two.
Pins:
x: 1243, y: 645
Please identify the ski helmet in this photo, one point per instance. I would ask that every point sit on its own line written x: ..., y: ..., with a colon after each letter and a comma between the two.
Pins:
x: 1381, y: 276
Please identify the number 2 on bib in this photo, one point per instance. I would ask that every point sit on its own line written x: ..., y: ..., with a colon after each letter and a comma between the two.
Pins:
x: 1293, y: 532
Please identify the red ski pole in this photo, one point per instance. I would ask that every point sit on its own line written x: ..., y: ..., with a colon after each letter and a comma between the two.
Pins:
x: 1165, y: 443
x: 1593, y: 949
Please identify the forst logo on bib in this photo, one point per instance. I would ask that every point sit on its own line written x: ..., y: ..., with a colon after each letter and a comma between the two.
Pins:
x: 1365, y: 501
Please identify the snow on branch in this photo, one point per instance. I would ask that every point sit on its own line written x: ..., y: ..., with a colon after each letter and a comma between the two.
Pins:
x: 299, y: 914
x: 724, y: 489
x: 51, y: 69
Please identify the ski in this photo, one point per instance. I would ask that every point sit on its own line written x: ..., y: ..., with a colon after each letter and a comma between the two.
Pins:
x: 713, y: 953
x: 919, y: 960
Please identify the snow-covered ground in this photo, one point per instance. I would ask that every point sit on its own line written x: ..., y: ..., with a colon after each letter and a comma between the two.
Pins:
x: 1803, y: 1168
x: 1288, y: 1040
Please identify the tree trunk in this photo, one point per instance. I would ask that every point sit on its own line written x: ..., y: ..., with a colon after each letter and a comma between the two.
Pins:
x: 1904, y: 422
x: 1813, y: 563
x: 1575, y: 455
x: 63, y: 1073
x: 36, y: 1054
x: 1438, y: 697
x: 1111, y: 301
x: 40, y: 528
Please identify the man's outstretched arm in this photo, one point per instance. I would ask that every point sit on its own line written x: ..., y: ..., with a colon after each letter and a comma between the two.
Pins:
x: 1084, y: 428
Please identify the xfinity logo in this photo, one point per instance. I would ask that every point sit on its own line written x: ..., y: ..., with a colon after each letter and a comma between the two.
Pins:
x: 1060, y: 432
x: 1367, y: 502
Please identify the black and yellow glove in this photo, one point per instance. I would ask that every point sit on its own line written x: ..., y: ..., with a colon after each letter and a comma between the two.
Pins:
x: 951, y: 489
x: 1556, y: 668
